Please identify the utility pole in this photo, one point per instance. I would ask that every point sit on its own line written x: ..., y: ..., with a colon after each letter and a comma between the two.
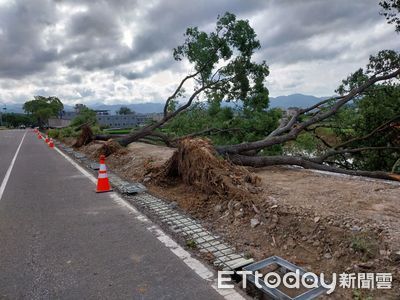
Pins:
x: 5, y: 111
x: 1, y: 116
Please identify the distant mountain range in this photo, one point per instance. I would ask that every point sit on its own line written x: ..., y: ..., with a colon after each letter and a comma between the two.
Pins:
x: 294, y: 100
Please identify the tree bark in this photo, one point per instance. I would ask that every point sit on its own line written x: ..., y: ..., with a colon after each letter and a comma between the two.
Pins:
x: 293, y: 128
x: 263, y: 161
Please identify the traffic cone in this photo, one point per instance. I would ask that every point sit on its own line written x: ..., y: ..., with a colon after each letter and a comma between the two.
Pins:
x: 47, y: 139
x: 102, y: 181
x: 51, y: 143
x: 39, y: 136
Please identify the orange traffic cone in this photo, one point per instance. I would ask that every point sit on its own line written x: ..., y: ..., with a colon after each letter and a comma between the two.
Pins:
x: 47, y: 139
x: 39, y: 136
x: 102, y: 181
x: 51, y: 143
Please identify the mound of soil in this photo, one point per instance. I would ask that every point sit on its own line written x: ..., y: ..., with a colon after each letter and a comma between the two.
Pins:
x: 321, y: 222
x: 110, y: 147
x: 197, y: 164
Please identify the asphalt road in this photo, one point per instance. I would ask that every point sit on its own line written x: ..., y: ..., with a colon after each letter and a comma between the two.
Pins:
x: 61, y: 240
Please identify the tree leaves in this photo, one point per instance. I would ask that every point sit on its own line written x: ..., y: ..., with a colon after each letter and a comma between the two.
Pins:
x: 42, y: 108
x: 224, y: 58
x: 391, y: 9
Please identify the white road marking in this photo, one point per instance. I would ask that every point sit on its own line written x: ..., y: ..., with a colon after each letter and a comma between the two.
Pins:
x: 7, y: 176
x: 198, y: 267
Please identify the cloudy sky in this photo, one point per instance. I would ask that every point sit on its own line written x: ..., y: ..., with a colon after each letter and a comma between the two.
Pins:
x: 116, y: 51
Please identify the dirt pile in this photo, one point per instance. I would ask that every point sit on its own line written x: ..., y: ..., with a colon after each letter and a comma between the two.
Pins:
x: 196, y: 163
x: 110, y: 147
x: 321, y: 222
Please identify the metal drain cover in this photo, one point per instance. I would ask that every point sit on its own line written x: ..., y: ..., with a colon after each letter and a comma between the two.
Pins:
x: 285, y: 267
x: 132, y: 188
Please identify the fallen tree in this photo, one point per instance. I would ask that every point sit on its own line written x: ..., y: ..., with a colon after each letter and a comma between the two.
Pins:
x: 224, y: 70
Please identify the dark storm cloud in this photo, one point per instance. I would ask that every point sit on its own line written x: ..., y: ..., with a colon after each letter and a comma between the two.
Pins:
x: 81, y: 38
x: 168, y: 21
x: 163, y: 63
x: 293, y: 30
x: 162, y: 30
x: 22, y: 47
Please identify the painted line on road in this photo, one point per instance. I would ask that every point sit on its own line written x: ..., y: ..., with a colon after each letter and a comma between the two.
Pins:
x: 7, y: 176
x: 197, y: 266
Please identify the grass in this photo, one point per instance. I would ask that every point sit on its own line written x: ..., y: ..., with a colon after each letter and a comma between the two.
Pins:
x: 191, y: 244
x: 118, y: 131
x: 364, y: 245
x: 358, y: 295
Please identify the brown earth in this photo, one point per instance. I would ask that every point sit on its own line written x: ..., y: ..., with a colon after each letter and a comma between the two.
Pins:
x: 322, y: 222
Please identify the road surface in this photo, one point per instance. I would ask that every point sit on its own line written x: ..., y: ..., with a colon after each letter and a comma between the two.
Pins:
x: 61, y: 240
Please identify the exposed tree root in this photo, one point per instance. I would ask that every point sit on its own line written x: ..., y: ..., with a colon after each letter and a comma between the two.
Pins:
x: 85, y: 137
x: 109, y: 147
x: 197, y: 164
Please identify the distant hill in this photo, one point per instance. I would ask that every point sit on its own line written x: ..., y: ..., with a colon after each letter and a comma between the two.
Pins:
x: 294, y: 100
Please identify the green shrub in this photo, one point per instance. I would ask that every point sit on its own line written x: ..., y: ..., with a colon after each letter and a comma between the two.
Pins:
x: 68, y: 132
x: 53, y: 133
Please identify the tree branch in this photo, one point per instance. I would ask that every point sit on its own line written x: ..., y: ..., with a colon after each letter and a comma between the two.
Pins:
x: 330, y: 153
x: 296, y: 129
x: 209, y: 131
x: 379, y: 128
x: 263, y: 161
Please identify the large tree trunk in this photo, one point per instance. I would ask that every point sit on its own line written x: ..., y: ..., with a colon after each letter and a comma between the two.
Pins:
x: 135, y: 136
x: 263, y: 161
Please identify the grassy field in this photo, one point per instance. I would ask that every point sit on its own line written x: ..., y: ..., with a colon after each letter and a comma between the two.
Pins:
x: 118, y: 131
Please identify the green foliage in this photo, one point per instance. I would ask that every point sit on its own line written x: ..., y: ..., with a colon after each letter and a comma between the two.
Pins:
x: 124, y: 110
x: 65, y: 132
x: 305, y: 143
x: 54, y: 133
x: 70, y: 132
x: 244, y: 125
x: 86, y: 115
x: 119, y: 131
x: 223, y: 59
x: 365, y: 245
x: 375, y: 106
x: 15, y: 120
x: 191, y: 244
x: 42, y: 108
x: 391, y: 10
x: 360, y: 295
x: 380, y: 104
x: 385, y: 62
x: 96, y: 129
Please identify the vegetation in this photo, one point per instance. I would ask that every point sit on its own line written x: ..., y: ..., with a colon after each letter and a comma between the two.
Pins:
x: 372, y: 123
x: 224, y: 71
x: 42, y: 108
x: 355, y: 132
x: 86, y: 115
x: 224, y: 125
x: 15, y: 120
x: 124, y: 110
x: 336, y: 134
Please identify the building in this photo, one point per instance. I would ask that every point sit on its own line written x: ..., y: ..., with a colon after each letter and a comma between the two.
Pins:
x: 58, y: 123
x: 120, y: 121
x: 104, y: 118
